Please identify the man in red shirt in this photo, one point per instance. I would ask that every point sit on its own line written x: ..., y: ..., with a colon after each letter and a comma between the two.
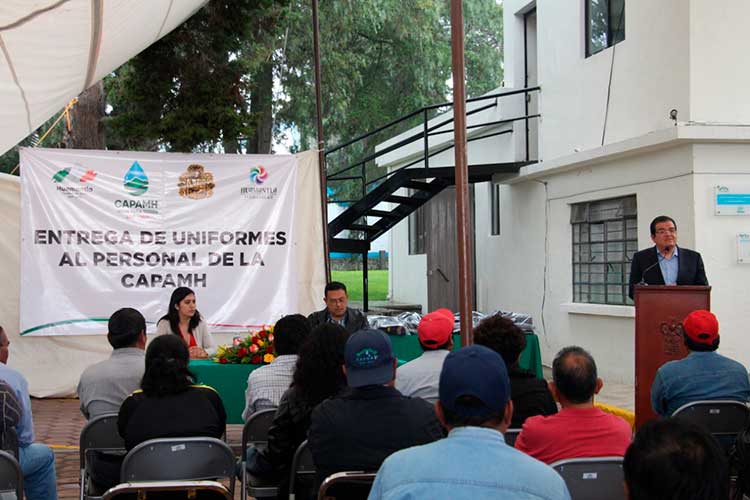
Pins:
x: 580, y: 429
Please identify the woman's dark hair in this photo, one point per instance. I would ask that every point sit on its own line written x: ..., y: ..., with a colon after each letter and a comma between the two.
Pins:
x: 318, y: 374
x: 502, y: 336
x: 174, y: 317
x: 166, y: 367
x: 673, y: 459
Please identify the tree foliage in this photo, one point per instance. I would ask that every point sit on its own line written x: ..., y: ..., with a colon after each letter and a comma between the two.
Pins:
x: 239, y: 71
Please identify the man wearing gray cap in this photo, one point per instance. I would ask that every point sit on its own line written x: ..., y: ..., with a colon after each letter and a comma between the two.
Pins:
x: 473, y: 461
x: 359, y: 428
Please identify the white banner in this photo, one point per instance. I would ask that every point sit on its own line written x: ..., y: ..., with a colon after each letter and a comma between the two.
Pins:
x: 101, y: 230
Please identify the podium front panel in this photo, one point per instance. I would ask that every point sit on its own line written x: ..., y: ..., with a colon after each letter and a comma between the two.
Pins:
x: 659, y: 311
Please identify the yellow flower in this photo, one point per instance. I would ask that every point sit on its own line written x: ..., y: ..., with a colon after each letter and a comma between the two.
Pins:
x: 268, y: 358
x: 221, y: 351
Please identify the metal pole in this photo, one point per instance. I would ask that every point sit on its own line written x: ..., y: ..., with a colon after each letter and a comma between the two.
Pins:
x: 365, y: 284
x: 463, y: 213
x: 321, y: 141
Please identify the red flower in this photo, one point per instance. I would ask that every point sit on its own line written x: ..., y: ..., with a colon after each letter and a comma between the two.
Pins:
x: 262, y: 334
x: 241, y: 352
x: 269, y: 349
x: 255, y: 359
x: 223, y: 361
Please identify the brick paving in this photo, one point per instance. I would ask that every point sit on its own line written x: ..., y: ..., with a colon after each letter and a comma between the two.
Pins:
x: 58, y: 424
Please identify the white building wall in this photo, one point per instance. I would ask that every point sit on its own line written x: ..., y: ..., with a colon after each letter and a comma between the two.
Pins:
x: 716, y: 237
x: 649, y: 75
x: 407, y: 274
x: 718, y: 55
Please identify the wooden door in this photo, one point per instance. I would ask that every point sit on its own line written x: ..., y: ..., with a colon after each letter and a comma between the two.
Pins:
x: 440, y: 246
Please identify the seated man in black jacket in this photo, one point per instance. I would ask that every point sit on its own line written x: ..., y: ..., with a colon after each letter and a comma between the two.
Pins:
x: 360, y: 428
x: 337, y: 310
x: 530, y: 395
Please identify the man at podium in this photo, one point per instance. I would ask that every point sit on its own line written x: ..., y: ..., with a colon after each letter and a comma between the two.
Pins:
x: 665, y: 263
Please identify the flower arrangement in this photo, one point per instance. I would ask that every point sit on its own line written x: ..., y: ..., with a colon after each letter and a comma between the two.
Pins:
x: 256, y: 348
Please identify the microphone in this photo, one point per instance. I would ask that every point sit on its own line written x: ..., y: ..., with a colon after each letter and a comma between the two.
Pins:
x: 643, y: 274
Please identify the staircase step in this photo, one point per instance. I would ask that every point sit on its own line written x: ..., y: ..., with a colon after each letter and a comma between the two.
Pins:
x: 421, y: 186
x: 381, y: 213
x: 361, y: 227
x: 349, y: 245
x: 403, y: 200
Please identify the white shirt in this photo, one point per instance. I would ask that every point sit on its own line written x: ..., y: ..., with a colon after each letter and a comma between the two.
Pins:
x: 419, y: 378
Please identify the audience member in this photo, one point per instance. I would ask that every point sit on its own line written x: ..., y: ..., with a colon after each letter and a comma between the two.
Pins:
x: 419, y: 378
x: 358, y: 429
x: 337, y: 310
x: 4, y: 346
x: 267, y: 384
x: 530, y: 395
x: 168, y: 404
x: 473, y: 461
x: 37, y: 460
x: 11, y: 412
x: 317, y: 376
x: 105, y: 385
x: 703, y: 374
x: 580, y: 429
x: 673, y: 459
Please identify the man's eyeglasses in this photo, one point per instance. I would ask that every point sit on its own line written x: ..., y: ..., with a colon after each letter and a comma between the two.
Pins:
x: 671, y: 230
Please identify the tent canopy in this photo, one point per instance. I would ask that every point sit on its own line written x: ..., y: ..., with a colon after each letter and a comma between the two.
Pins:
x: 52, y: 50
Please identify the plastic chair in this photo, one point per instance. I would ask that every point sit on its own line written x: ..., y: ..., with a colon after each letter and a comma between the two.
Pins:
x: 11, y: 477
x: 510, y: 436
x: 722, y: 418
x: 199, y: 490
x: 347, y: 485
x: 255, y: 432
x: 303, y: 467
x: 593, y: 478
x: 99, y: 434
x: 179, y: 459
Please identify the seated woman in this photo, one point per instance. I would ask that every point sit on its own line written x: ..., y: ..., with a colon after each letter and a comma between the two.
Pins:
x: 317, y: 376
x: 168, y: 403
x: 183, y: 319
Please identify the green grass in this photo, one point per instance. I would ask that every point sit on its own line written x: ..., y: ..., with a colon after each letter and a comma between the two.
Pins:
x: 378, y: 281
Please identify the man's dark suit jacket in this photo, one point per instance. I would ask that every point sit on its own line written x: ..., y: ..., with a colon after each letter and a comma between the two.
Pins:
x: 690, y: 269
x: 354, y: 319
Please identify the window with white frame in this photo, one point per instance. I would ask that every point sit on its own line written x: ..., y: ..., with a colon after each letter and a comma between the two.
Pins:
x: 605, y: 237
x: 494, y: 208
x: 605, y: 24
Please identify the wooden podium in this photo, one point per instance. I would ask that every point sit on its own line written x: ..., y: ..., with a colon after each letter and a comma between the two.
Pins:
x: 659, y: 311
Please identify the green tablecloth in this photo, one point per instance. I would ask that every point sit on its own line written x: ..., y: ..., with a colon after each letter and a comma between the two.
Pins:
x: 407, y: 348
x: 230, y: 381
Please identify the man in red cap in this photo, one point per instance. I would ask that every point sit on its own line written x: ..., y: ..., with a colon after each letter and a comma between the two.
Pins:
x: 419, y: 378
x: 703, y: 374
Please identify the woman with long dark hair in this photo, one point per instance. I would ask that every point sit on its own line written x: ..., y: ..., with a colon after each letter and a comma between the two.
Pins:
x: 317, y: 376
x: 184, y: 320
x: 168, y: 403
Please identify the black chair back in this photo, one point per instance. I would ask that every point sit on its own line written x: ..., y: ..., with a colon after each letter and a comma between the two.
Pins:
x: 510, y: 436
x: 99, y: 434
x: 169, y: 490
x: 349, y: 485
x: 593, y: 478
x: 255, y: 432
x: 303, y: 469
x: 724, y: 419
x: 11, y: 477
x: 171, y: 459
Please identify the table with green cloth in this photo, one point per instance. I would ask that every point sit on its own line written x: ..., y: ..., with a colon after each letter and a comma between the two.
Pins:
x: 230, y: 381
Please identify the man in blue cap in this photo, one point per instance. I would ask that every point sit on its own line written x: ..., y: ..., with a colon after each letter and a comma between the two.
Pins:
x: 473, y: 461
x: 359, y: 428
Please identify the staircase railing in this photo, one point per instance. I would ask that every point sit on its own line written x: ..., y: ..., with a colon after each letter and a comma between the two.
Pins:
x: 360, y: 154
x: 360, y: 151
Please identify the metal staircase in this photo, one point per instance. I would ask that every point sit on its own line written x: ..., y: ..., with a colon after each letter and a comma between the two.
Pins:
x: 367, y: 217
